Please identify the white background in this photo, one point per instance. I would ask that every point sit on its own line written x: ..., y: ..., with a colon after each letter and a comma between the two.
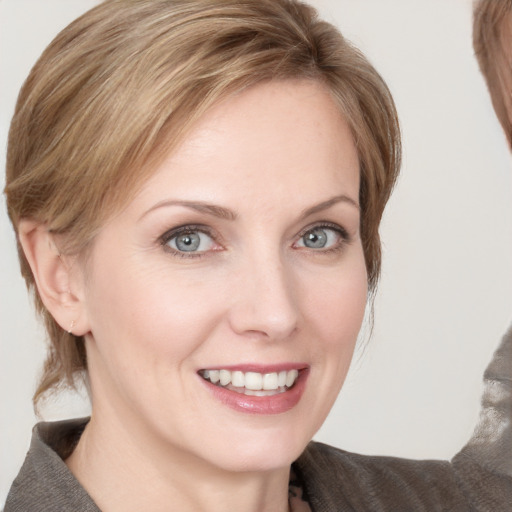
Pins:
x: 445, y: 297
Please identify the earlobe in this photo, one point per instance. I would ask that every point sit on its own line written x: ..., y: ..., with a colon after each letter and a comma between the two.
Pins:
x: 54, y: 276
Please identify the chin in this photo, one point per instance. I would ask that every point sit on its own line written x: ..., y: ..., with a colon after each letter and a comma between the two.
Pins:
x: 265, y: 449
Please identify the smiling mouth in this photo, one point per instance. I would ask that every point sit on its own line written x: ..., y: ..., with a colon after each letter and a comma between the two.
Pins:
x: 252, y: 383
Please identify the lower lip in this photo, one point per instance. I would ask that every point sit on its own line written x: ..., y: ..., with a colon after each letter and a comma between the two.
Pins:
x: 275, y: 404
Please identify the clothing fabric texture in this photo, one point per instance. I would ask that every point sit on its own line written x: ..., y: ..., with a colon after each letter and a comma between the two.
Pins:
x: 477, y: 479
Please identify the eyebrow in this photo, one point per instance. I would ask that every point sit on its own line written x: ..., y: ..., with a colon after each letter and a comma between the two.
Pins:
x: 327, y: 204
x: 210, y: 209
x: 225, y: 213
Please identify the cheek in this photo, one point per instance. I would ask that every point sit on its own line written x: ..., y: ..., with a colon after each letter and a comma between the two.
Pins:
x: 336, y: 306
x: 335, y: 310
x: 150, y: 312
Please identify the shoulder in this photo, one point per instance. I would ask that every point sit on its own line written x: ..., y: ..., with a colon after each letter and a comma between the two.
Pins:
x: 44, y: 482
x: 334, y: 478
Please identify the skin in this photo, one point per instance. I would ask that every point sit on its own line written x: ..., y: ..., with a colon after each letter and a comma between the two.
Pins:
x: 278, y: 159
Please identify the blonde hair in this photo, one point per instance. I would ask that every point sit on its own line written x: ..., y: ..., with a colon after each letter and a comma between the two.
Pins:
x: 492, y: 42
x: 121, y: 85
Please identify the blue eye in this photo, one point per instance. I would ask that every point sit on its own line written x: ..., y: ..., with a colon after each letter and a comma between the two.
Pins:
x: 189, y: 241
x: 321, y: 237
x: 315, y: 239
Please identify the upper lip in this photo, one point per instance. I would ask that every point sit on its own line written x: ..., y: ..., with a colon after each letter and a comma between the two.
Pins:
x: 258, y: 368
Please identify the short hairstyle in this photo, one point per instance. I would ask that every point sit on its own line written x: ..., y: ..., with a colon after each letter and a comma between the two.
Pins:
x: 121, y: 85
x: 492, y: 42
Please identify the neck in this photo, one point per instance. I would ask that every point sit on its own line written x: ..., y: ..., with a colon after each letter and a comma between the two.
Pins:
x: 121, y: 474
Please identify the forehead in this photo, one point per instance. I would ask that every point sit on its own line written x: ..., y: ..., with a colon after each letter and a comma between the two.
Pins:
x: 273, y: 140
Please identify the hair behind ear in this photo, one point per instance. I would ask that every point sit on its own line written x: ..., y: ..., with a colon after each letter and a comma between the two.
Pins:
x: 61, y: 303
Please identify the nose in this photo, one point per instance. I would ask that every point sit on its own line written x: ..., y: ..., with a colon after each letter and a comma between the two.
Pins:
x: 264, y: 304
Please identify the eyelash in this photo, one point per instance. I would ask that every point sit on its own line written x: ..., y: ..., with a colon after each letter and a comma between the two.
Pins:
x: 195, y: 228
x: 339, y: 230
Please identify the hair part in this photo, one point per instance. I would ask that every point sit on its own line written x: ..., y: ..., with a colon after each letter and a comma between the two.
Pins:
x: 122, y: 85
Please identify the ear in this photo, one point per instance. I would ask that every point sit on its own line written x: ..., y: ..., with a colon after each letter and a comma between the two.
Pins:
x: 57, y: 278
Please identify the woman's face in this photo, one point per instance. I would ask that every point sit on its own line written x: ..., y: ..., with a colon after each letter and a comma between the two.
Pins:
x: 240, y: 260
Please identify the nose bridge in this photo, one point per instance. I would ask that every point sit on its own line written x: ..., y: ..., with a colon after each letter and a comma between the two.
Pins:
x: 265, y: 303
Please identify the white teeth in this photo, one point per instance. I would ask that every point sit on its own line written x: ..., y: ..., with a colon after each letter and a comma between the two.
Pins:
x: 238, y: 379
x: 290, y: 377
x: 270, y: 381
x: 253, y: 381
x: 225, y: 377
